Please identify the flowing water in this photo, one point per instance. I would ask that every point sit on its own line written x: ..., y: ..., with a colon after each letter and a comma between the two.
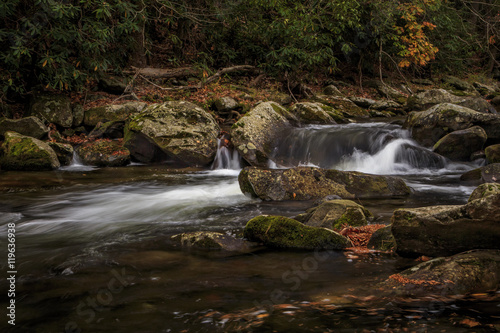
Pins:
x: 94, y: 250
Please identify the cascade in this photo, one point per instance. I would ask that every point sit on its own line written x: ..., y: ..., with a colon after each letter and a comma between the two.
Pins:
x: 226, y: 158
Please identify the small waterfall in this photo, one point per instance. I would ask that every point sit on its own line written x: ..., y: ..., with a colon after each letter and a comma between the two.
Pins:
x: 77, y: 165
x: 226, y: 158
x: 372, y: 148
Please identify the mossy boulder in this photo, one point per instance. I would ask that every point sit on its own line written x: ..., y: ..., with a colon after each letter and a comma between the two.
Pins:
x: 362, y: 102
x: 63, y: 151
x: 285, y: 233
x: 387, y: 91
x: 478, y: 104
x: 459, y: 145
x: 29, y: 126
x: 427, y: 127
x: 313, y: 113
x: 335, y: 214
x: 255, y: 134
x: 208, y: 240
x: 382, y: 240
x: 427, y: 98
x: 306, y: 183
x: 225, y: 104
x: 342, y: 107
x: 78, y: 114
x: 113, y: 85
x: 476, y: 271
x: 493, y: 153
x: 484, y: 190
x: 109, y: 130
x: 446, y: 230
x: 180, y: 130
x: 106, y: 113
x: 331, y: 90
x: 25, y: 153
x: 458, y: 84
x: 103, y: 153
x: 52, y: 108
x: 486, y: 174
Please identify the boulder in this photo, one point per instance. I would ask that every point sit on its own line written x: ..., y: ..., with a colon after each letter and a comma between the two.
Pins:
x: 476, y: 271
x: 207, y: 240
x: 78, y: 115
x: 286, y: 233
x: 314, y: 113
x: 484, y: 190
x: 484, y: 89
x: 486, y: 174
x: 336, y: 213
x: 113, y: 85
x: 103, y: 153
x: 478, y: 104
x: 29, y: 126
x: 382, y: 240
x: 458, y: 83
x: 493, y: 153
x: 459, y: 145
x: 178, y: 129
x: 343, y: 106
x: 386, y: 105
x: 63, y: 151
x: 422, y: 82
x: 255, y: 134
x: 106, y: 113
x: 52, y: 108
x: 447, y: 230
x: 331, y: 90
x: 362, y: 102
x: 427, y: 127
x: 25, y: 153
x: 387, y: 91
x: 109, y: 130
x: 225, y: 104
x: 425, y: 99
x: 306, y: 183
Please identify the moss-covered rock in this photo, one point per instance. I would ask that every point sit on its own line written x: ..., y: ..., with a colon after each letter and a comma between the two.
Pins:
x: 29, y: 126
x: 207, y: 240
x: 313, y: 113
x: 427, y: 98
x: 484, y: 190
x: 78, y: 114
x: 63, y: 151
x: 103, y: 153
x: 478, y: 104
x: 335, y: 214
x: 305, y: 183
x: 286, y: 233
x: 446, y: 230
x: 493, y: 153
x: 178, y: 129
x: 343, y: 107
x: 486, y: 174
x: 52, y: 108
x: 106, y: 113
x: 386, y: 91
x: 362, y: 102
x: 427, y: 127
x: 331, y: 90
x: 109, y: 130
x: 255, y: 134
x: 113, y: 85
x: 382, y: 240
x: 458, y: 84
x: 25, y: 153
x: 459, y: 145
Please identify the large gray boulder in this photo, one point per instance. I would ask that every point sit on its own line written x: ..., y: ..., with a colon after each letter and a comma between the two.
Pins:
x: 255, y: 134
x: 305, y: 183
x: 106, y: 113
x: 25, y: 153
x: 52, y: 108
x: 286, y: 233
x: 29, y: 126
x: 427, y: 127
x: 425, y: 99
x: 459, y: 145
x: 446, y: 230
x: 178, y: 129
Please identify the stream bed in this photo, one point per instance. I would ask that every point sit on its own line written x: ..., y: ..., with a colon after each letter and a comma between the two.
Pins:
x: 94, y: 254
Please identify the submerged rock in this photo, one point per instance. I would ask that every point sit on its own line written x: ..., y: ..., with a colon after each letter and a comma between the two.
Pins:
x: 427, y: 127
x: 53, y: 108
x: 486, y: 174
x: 207, y: 240
x: 283, y: 232
x: 25, y: 153
x: 475, y: 271
x: 178, y: 129
x: 446, y: 230
x: 106, y: 113
x: 459, y: 145
x: 493, y: 153
x: 254, y: 134
x: 336, y: 213
x: 29, y: 126
x: 103, y: 153
x: 305, y: 183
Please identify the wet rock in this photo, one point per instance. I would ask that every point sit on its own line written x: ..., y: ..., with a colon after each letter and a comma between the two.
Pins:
x: 283, y: 232
x: 314, y: 113
x: 331, y: 90
x: 178, y: 129
x: 428, y: 98
x: 362, y: 102
x: 484, y: 190
x: 52, y: 108
x: 254, y: 134
x: 344, y: 106
x: 459, y: 145
x: 29, y: 126
x: 113, y: 85
x: 305, y: 183
x: 382, y: 240
x: 225, y: 104
x: 336, y: 213
x: 106, y: 113
x: 475, y: 271
x: 486, y: 174
x: 427, y: 127
x: 103, y: 153
x: 206, y: 240
x: 63, y: 151
x: 493, y: 153
x: 109, y: 130
x: 446, y: 230
x: 25, y: 153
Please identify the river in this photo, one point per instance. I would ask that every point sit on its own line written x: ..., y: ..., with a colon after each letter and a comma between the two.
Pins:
x: 94, y: 254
